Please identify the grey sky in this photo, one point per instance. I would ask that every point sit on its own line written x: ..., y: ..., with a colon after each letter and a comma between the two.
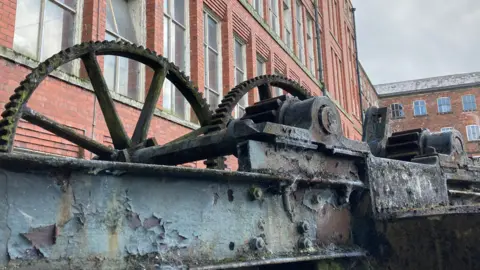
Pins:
x: 411, y: 39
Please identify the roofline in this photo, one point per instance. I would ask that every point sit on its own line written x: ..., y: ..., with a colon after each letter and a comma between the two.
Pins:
x: 427, y: 78
x: 429, y: 90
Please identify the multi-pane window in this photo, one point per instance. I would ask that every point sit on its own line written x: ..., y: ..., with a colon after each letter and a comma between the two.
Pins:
x: 473, y: 133
x: 121, y: 74
x: 175, y: 49
x: 299, y: 31
x: 240, y: 75
x: 44, y: 28
x: 274, y: 18
x: 287, y: 24
x: 311, y: 54
x: 446, y: 129
x: 260, y: 71
x: 397, y: 110
x: 258, y: 6
x: 444, y: 105
x: 469, y: 103
x: 275, y: 90
x: 212, y: 60
x: 419, y: 108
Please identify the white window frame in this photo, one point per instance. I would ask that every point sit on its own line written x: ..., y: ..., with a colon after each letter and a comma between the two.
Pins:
x: 446, y: 129
x: 77, y: 37
x: 401, y: 111
x: 287, y: 24
x: 311, y: 51
x: 474, y: 103
x: 258, y: 7
x: 263, y: 63
x: 469, y: 134
x: 141, y: 39
x: 167, y: 86
x: 274, y: 16
x: 439, y: 105
x: 244, y: 60
x: 300, y: 38
x: 415, y: 106
x: 207, y: 13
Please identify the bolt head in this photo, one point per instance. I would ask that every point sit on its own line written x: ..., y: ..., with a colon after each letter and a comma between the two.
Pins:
x: 316, y: 199
x: 303, y: 227
x: 256, y: 193
x: 257, y: 243
x: 305, y: 243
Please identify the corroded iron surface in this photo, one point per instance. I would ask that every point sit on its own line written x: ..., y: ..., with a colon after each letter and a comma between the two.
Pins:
x: 119, y: 218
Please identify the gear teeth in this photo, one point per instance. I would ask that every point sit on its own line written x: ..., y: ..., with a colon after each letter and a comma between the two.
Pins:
x: 22, y: 93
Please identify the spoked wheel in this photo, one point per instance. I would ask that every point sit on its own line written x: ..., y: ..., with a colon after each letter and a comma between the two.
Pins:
x: 264, y: 84
x: 17, y: 107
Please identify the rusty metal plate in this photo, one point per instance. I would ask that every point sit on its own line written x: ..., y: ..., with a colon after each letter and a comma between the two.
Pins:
x: 67, y: 218
x: 399, y: 186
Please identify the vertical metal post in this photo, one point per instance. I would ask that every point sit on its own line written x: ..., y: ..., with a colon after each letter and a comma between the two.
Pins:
x: 358, y: 67
x: 319, y: 48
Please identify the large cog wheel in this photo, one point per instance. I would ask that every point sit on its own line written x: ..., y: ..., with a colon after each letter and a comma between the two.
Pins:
x: 263, y: 83
x: 17, y: 108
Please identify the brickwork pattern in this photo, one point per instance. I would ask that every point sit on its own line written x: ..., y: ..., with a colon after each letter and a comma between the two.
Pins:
x: 75, y: 106
x: 434, y: 120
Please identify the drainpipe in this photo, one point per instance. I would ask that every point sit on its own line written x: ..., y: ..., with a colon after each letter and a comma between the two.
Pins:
x: 319, y: 49
x: 358, y: 67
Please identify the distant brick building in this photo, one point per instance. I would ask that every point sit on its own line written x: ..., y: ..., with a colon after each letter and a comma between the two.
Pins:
x: 368, y: 92
x: 438, y: 103
x: 244, y: 38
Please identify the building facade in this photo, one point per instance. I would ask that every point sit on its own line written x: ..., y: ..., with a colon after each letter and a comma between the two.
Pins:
x: 438, y: 103
x: 367, y: 90
x: 218, y: 43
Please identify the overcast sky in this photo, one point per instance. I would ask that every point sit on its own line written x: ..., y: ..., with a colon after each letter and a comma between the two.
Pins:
x: 411, y: 39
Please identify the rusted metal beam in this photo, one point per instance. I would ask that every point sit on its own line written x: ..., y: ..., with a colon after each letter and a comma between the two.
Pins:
x: 66, y: 133
x: 119, y: 136
x: 143, y: 123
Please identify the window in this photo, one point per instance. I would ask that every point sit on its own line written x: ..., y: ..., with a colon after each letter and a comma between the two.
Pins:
x: 397, y: 110
x: 240, y: 75
x: 121, y: 74
x: 175, y: 48
x: 311, y: 54
x: 287, y: 25
x: 419, y: 108
x: 274, y: 19
x: 44, y: 28
x: 334, y: 12
x: 260, y: 71
x: 444, y: 105
x: 213, y: 62
x: 473, y: 133
x: 469, y: 103
x: 258, y: 6
x: 275, y: 90
x: 300, y: 40
x: 446, y: 129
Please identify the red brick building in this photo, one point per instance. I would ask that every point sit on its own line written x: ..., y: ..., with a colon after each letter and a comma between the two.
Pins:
x: 438, y: 103
x: 368, y: 92
x: 218, y: 43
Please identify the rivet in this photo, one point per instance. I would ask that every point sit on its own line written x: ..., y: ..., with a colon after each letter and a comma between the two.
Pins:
x: 305, y: 243
x: 303, y: 227
x: 256, y: 193
x: 257, y: 243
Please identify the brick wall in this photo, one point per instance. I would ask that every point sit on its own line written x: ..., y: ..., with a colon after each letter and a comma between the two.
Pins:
x: 369, y: 95
x: 434, y: 121
x: 72, y: 105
